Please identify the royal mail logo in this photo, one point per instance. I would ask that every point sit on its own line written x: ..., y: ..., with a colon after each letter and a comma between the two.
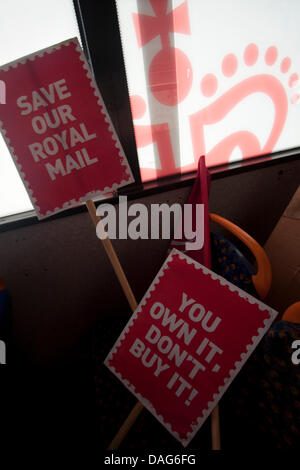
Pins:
x: 2, y: 92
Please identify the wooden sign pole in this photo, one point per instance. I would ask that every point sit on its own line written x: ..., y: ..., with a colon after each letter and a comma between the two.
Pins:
x: 113, y: 258
x: 132, y: 417
x: 137, y: 409
x: 215, y: 429
x: 126, y: 426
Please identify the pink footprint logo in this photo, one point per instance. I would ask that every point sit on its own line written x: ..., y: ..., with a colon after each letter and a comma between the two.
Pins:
x: 265, y: 83
x: 170, y: 81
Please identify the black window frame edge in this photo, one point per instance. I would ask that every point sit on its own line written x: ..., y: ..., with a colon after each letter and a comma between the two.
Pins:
x: 100, y: 35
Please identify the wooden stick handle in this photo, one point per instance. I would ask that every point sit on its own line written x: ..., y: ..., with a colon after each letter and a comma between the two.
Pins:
x: 113, y: 257
x: 215, y: 429
x: 132, y: 417
x: 125, y: 428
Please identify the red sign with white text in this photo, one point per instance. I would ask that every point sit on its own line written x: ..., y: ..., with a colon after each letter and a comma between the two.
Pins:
x: 58, y: 131
x: 187, y: 340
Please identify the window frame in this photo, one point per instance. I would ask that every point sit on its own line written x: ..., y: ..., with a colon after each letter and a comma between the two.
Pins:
x: 102, y: 45
x: 134, y: 192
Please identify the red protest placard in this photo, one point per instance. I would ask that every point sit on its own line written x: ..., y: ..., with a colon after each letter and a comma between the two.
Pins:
x: 185, y: 343
x: 58, y: 131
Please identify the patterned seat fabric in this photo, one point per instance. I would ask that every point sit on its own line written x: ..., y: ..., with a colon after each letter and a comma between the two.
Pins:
x: 231, y: 264
x: 266, y: 393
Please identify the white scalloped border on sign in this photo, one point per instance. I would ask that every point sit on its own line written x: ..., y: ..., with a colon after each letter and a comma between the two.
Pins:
x: 232, y: 373
x: 103, y: 110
